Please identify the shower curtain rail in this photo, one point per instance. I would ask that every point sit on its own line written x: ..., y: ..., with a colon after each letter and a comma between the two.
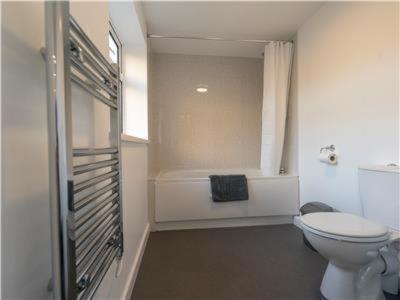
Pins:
x: 217, y: 39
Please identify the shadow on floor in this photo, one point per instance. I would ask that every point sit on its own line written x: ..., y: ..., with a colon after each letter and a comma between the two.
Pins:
x: 263, y: 262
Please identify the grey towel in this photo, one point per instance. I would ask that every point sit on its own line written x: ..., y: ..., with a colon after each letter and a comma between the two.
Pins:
x: 229, y: 188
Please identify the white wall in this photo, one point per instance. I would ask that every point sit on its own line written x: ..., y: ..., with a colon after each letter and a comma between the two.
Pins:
x: 26, y: 255
x: 348, y: 94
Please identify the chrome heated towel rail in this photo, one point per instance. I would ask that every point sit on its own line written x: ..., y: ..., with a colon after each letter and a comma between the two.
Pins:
x: 85, y: 183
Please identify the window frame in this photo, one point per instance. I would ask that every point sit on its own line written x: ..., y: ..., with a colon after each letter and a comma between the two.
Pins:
x: 113, y: 34
x: 117, y: 41
x: 125, y: 136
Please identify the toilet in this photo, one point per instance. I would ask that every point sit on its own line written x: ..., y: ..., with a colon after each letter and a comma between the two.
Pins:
x: 362, y: 251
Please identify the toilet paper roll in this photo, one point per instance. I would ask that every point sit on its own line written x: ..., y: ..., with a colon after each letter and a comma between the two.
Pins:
x: 328, y: 157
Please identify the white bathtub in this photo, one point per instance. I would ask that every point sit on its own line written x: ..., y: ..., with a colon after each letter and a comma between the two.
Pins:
x: 186, y: 195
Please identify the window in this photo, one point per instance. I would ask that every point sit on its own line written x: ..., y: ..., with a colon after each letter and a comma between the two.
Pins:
x: 114, y: 52
x: 134, y: 88
x: 114, y: 47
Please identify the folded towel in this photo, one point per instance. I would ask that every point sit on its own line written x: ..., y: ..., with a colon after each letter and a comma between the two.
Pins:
x: 229, y: 188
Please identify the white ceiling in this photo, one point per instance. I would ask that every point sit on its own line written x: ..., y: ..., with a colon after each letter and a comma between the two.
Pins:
x: 229, y: 20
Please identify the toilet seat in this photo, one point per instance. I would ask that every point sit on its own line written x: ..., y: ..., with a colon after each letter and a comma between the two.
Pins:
x: 345, y: 227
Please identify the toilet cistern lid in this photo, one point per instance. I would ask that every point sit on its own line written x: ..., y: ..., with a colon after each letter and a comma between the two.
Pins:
x: 343, y: 224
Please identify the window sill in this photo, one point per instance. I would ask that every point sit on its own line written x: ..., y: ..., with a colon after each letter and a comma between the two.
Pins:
x: 133, y: 139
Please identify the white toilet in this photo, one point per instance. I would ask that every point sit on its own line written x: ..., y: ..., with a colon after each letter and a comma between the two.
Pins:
x: 360, y: 249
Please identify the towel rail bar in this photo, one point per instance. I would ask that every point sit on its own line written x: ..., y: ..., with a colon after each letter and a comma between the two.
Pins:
x: 87, y: 278
x: 80, y: 169
x: 95, y: 267
x: 79, y: 31
x: 93, y: 255
x: 99, y: 275
x: 79, y: 204
x: 80, y: 221
x: 94, y: 93
x: 89, y: 234
x: 89, y: 74
x: 86, y: 256
x: 96, y: 151
x: 83, y: 255
x: 93, y: 63
x: 112, y: 175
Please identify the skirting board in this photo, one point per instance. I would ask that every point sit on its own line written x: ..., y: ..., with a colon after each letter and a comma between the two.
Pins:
x: 136, y: 264
x: 235, y: 222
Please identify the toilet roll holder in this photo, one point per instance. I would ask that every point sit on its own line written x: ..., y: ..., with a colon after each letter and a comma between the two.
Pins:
x: 330, y: 148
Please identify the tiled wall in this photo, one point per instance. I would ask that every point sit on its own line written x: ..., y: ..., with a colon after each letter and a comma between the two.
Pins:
x: 217, y: 129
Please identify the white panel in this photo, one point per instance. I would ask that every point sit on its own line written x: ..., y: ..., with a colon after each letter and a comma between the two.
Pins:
x: 190, y: 200
x: 273, y: 197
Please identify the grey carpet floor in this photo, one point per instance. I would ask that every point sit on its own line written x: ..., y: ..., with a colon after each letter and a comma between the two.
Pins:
x: 263, y: 262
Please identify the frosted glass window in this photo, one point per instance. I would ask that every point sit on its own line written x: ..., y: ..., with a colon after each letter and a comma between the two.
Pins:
x: 113, y: 49
x: 135, y: 92
x: 133, y: 63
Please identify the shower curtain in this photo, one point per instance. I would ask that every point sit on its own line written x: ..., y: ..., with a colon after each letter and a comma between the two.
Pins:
x: 277, y: 69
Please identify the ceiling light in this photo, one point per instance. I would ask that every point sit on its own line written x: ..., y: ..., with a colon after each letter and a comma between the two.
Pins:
x: 202, y: 89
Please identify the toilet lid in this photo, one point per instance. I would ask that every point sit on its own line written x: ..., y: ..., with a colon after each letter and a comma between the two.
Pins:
x: 343, y: 224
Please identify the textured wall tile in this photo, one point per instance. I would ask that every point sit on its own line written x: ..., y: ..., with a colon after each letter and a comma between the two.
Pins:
x: 217, y: 129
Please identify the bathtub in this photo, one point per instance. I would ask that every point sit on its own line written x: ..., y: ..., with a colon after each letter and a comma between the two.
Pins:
x: 185, y: 195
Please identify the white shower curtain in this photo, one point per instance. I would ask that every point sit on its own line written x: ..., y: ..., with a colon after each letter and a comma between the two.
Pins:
x: 277, y: 67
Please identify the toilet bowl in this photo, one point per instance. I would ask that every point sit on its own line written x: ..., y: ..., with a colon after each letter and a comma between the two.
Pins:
x: 351, y: 244
x: 363, y: 251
